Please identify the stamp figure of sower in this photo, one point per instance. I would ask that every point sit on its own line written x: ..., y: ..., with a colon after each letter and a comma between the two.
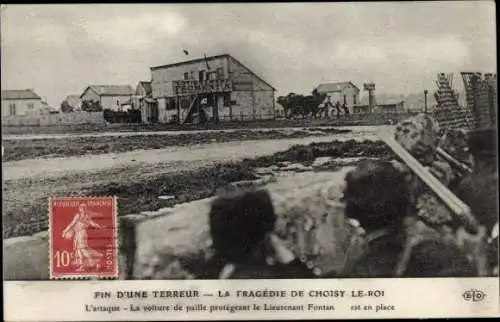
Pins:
x: 83, y: 255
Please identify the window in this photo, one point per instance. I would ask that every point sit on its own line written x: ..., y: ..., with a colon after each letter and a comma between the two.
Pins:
x: 227, y: 100
x: 12, y: 109
x: 345, y: 99
x: 214, y: 75
x: 170, y: 105
x: 186, y: 76
x: 30, y: 106
x: 219, y: 73
x: 354, y: 100
x: 201, y: 75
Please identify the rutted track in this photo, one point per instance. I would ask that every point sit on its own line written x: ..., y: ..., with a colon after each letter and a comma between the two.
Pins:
x: 139, y: 177
x: 80, y: 145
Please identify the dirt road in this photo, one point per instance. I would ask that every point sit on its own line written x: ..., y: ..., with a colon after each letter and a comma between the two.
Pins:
x: 230, y: 151
x: 131, y: 133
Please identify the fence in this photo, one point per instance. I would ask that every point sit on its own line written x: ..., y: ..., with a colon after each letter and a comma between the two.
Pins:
x: 130, y: 116
x: 377, y: 118
x: 75, y: 118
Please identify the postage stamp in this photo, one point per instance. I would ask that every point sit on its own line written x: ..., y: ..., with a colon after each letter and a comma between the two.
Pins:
x: 83, y: 237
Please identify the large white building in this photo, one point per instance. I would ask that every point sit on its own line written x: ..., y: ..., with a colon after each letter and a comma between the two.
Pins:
x: 221, y: 85
x: 24, y: 102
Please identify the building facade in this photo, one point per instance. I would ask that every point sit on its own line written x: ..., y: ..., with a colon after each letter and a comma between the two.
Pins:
x: 387, y: 107
x: 143, y: 101
x: 218, y: 87
x: 21, y: 103
x: 108, y: 96
x: 344, y: 92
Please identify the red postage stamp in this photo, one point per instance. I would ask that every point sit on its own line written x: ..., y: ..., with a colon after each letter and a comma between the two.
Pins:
x: 83, y: 237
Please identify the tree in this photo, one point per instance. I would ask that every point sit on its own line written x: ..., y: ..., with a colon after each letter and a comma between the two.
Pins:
x: 65, y: 107
x: 90, y: 106
x: 287, y: 103
x: 294, y: 104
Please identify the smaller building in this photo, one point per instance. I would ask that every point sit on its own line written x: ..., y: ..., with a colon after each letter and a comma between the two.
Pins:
x: 23, y: 102
x: 74, y: 101
x: 343, y: 92
x: 386, y: 106
x: 108, y: 96
x: 143, y: 100
x: 279, y: 111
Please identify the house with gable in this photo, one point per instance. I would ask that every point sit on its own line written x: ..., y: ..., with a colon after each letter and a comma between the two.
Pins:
x: 342, y: 92
x: 213, y: 88
x: 22, y: 102
x: 108, y: 96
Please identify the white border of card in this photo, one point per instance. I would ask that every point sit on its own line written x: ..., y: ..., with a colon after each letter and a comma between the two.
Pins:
x: 255, y: 299
x: 121, y: 299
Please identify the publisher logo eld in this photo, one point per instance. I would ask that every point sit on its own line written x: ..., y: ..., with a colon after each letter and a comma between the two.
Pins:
x: 474, y: 295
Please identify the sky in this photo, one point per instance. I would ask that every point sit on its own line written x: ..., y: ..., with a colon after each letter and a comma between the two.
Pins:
x: 60, y: 49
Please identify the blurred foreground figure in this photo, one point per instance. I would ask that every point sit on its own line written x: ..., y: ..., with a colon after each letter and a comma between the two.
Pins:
x: 480, y: 189
x: 241, y: 228
x: 421, y: 136
x: 455, y: 143
x: 377, y: 195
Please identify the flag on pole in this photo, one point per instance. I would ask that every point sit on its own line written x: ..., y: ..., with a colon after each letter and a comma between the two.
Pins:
x: 206, y: 61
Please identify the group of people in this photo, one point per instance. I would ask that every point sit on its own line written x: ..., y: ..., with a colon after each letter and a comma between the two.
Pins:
x: 337, y: 106
x: 405, y: 231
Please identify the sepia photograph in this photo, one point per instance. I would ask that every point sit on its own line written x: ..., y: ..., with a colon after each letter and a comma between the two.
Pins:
x: 249, y: 141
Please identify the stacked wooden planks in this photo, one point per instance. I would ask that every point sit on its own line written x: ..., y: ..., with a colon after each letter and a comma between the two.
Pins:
x: 448, y: 112
x: 481, y: 96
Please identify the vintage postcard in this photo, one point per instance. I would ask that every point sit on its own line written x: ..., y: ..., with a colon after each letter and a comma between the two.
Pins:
x: 249, y: 161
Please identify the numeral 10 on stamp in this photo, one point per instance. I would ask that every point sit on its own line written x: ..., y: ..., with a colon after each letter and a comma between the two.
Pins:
x: 83, y: 237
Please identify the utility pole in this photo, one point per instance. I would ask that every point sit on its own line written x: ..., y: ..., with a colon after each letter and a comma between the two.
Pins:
x: 425, y: 101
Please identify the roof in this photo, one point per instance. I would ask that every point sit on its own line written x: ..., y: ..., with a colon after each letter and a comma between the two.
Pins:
x: 189, y: 61
x: 334, y: 87
x: 19, y: 94
x: 208, y: 59
x: 111, y: 90
x: 260, y: 78
x: 147, y: 87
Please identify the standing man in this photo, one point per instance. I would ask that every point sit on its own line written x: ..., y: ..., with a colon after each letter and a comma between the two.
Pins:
x: 346, y: 110
x: 337, y: 107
